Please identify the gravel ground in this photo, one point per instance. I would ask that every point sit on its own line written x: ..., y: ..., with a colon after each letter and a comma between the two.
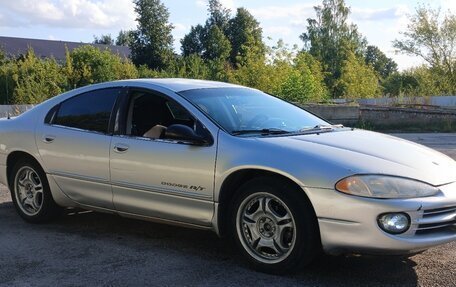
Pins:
x: 105, y: 250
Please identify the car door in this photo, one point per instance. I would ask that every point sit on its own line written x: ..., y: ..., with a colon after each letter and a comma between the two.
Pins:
x: 74, y: 145
x: 156, y: 177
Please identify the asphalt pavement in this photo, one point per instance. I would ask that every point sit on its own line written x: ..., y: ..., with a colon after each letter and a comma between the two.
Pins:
x: 93, y: 249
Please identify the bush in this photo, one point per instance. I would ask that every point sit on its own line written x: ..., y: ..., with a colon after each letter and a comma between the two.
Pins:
x: 88, y: 65
x: 357, y: 80
x: 33, y: 80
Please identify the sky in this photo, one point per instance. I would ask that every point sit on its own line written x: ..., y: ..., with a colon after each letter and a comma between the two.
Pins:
x: 80, y: 20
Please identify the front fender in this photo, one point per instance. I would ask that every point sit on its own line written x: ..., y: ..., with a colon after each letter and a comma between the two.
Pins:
x: 306, y: 169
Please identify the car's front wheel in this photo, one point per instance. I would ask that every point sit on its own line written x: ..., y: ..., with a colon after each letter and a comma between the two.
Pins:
x: 31, y: 194
x: 274, y: 225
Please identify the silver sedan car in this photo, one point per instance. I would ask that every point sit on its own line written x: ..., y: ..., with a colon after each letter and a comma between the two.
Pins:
x: 283, y: 183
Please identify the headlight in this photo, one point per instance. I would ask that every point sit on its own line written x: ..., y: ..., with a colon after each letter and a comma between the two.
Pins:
x: 379, y: 186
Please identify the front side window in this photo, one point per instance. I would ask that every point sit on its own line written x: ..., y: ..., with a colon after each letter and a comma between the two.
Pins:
x: 89, y: 111
x: 150, y: 115
x: 241, y: 109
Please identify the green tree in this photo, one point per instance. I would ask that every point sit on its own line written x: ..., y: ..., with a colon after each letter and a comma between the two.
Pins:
x: 432, y: 37
x: 218, y: 15
x: 311, y: 69
x: 34, y: 79
x: 400, y: 84
x: 193, y: 42
x: 417, y: 81
x: 246, y: 37
x: 2, y: 57
x: 357, y: 80
x: 300, y: 78
x: 275, y: 70
x: 257, y: 74
x: 124, y: 38
x: 145, y: 72
x: 330, y: 38
x: 298, y: 86
x: 152, y: 43
x: 103, y: 39
x: 88, y: 65
x: 6, y: 79
x: 383, y: 65
x: 193, y: 67
x: 293, y: 77
x: 202, y: 40
x: 218, y: 46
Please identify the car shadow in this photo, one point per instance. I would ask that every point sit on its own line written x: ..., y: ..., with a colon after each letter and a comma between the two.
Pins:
x: 203, y: 258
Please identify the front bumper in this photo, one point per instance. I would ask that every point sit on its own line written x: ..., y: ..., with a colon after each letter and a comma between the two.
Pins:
x: 348, y: 224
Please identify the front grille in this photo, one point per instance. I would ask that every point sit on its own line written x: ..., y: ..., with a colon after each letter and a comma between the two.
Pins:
x: 437, y: 220
x: 436, y: 211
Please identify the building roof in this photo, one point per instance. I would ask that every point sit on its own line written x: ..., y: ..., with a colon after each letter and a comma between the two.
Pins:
x: 49, y: 48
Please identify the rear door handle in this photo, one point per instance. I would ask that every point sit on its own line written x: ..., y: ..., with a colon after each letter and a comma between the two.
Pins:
x: 48, y: 138
x: 120, y: 148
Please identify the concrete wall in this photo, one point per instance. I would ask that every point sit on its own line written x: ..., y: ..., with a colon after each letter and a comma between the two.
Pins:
x: 438, y: 101
x: 392, y: 118
x: 387, y: 118
x: 345, y: 114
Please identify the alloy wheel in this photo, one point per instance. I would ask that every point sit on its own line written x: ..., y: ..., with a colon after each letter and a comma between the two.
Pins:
x: 28, y: 190
x: 266, y: 227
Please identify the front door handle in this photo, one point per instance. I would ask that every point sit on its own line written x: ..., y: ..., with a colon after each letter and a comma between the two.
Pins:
x: 120, y: 148
x: 48, y: 138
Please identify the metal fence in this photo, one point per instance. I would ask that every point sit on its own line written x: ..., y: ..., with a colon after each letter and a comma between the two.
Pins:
x: 13, y: 110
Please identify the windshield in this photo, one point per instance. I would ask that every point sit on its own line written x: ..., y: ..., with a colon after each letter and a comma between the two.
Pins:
x: 241, y: 110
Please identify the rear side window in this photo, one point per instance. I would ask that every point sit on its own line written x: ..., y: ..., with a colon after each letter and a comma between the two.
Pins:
x: 89, y: 111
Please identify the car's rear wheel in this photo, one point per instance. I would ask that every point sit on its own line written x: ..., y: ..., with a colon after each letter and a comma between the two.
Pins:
x: 31, y: 194
x: 274, y: 225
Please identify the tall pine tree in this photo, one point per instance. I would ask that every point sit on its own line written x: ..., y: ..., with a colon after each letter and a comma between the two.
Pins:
x: 152, y: 41
x: 330, y: 38
x: 246, y: 37
x: 240, y: 35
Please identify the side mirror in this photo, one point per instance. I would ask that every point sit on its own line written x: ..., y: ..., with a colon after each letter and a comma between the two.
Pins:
x: 185, y: 134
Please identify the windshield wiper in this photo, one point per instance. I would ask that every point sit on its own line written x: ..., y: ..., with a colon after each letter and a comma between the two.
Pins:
x: 270, y: 131
x: 321, y: 128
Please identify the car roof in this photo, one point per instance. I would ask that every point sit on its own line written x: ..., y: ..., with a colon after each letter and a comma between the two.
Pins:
x: 179, y: 84
x: 172, y: 84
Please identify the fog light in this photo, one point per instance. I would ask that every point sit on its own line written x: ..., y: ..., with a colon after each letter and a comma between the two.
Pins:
x: 394, y: 223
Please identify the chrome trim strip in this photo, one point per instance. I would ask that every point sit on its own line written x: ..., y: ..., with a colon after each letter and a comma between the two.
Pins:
x: 164, y: 221
x: 161, y: 190
x: 325, y: 188
x: 79, y: 130
x: 169, y: 141
x: 338, y: 221
x: 438, y: 218
x: 144, y: 218
x: 133, y: 186
x: 79, y: 177
x: 432, y: 212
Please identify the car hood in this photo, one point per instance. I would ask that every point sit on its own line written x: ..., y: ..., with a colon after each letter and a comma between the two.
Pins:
x: 360, y: 151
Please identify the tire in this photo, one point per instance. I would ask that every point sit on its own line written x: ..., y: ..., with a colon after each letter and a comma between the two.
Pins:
x: 274, y: 226
x: 31, y: 194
